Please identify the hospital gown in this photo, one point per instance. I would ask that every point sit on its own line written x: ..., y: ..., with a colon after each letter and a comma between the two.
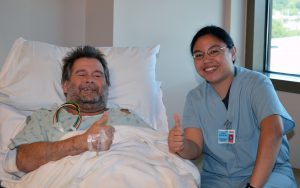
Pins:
x: 40, y: 125
x: 252, y: 98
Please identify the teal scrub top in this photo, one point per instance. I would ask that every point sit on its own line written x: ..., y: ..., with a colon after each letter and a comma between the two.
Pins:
x: 252, y: 98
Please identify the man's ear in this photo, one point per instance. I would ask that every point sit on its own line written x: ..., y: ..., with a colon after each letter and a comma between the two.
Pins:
x: 65, y: 86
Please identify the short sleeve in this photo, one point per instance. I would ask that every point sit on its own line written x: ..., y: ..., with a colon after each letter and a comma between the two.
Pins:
x: 32, y: 131
x: 190, y: 118
x: 265, y: 102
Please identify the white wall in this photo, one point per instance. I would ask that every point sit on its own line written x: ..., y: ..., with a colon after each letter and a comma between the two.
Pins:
x: 99, y: 22
x: 60, y: 22
x: 56, y: 21
x: 172, y: 24
x: 234, y: 22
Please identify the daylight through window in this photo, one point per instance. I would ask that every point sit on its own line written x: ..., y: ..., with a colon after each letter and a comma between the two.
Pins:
x: 284, y: 39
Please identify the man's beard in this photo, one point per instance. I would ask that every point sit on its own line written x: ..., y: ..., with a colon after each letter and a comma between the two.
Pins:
x: 87, y: 97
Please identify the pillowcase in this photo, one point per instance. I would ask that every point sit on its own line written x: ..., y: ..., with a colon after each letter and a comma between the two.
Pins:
x: 31, y: 75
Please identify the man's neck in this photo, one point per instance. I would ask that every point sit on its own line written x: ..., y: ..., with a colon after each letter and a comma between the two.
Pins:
x: 86, y: 113
x: 82, y: 113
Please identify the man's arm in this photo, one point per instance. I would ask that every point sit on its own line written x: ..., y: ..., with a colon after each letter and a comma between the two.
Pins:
x: 32, y: 156
x: 269, y: 144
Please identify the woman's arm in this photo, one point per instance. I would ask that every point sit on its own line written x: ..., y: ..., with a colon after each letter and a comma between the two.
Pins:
x: 187, y: 144
x: 268, y: 147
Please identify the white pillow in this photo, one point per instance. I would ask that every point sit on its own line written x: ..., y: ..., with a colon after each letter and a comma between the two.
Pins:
x: 31, y: 75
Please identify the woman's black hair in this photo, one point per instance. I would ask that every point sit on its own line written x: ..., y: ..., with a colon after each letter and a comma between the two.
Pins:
x: 215, y: 31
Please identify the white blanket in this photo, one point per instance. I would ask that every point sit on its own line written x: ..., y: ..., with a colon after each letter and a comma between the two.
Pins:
x: 139, y: 157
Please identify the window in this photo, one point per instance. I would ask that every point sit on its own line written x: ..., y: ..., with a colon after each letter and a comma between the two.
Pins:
x: 284, y: 36
x: 271, y: 43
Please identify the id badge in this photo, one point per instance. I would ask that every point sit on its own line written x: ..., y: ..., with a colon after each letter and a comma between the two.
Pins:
x: 226, y: 136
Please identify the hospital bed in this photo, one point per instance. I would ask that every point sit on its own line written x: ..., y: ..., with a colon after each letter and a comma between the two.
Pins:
x: 139, y: 157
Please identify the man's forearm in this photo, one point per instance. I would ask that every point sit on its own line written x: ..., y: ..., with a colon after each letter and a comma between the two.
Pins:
x: 32, y: 156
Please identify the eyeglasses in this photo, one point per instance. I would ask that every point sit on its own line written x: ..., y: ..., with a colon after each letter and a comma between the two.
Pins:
x: 211, y: 52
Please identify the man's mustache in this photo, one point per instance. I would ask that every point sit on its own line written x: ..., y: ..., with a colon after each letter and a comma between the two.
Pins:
x: 88, y: 86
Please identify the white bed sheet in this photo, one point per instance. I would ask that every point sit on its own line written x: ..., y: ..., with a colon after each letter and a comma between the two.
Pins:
x: 139, y: 157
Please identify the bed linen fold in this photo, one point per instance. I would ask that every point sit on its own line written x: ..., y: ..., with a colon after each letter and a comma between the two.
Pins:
x: 139, y: 157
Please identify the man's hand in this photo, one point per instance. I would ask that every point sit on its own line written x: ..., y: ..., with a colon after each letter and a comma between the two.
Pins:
x: 52, y: 151
x: 95, y: 131
x: 176, y: 136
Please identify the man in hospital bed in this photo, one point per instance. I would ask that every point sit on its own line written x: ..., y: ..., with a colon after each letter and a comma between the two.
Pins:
x: 85, y: 82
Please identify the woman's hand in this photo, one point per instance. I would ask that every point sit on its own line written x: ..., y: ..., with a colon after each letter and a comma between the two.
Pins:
x: 176, y: 136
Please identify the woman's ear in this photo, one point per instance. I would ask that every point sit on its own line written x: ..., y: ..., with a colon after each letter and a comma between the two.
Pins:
x: 233, y: 52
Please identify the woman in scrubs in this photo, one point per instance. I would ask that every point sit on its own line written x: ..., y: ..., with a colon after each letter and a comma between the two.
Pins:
x: 234, y: 119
